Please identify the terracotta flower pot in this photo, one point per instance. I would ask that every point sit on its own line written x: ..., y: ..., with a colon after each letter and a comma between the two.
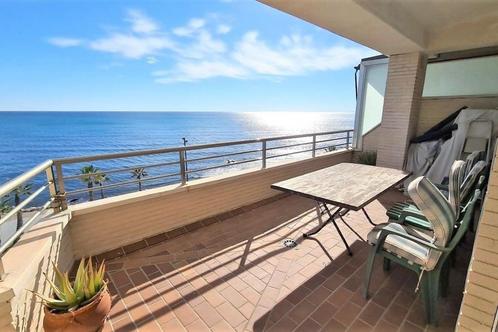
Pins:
x: 91, y: 317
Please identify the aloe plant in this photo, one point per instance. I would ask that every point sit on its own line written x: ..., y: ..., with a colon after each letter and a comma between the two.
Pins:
x: 69, y: 296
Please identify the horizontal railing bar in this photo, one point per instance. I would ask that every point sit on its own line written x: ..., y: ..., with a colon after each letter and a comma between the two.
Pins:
x: 119, y: 184
x: 23, y: 178
x: 73, y: 160
x: 21, y: 230
x: 328, y: 146
x: 288, y: 146
x: 225, y: 165
x: 306, y: 135
x: 223, y: 155
x: 22, y: 204
x: 332, y: 139
x: 118, y: 170
x: 288, y: 154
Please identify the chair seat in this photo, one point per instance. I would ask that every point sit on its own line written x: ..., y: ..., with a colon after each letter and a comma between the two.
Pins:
x: 404, y: 248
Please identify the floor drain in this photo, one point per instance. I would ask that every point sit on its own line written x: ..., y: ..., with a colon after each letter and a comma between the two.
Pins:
x: 290, y: 243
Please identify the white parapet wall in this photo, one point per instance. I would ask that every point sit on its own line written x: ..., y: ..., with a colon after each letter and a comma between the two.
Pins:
x: 110, y: 223
x: 25, y: 266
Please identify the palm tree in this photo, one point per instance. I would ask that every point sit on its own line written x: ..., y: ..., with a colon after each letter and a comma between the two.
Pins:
x: 5, y: 205
x: 89, y: 178
x: 100, y: 179
x: 19, y: 192
x: 139, y: 173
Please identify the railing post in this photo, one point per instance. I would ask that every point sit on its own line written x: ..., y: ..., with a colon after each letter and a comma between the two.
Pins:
x: 60, y: 190
x: 52, y: 189
x: 263, y: 154
x: 313, y: 152
x: 347, y: 140
x: 182, y: 167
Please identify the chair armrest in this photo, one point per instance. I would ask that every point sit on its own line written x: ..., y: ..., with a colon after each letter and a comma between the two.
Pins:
x: 407, y: 213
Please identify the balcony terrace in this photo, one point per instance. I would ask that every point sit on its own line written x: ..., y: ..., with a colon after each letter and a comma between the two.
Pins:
x: 235, y: 274
x: 198, y: 254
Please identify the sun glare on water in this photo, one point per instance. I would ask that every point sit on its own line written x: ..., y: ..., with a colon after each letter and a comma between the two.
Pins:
x: 292, y: 122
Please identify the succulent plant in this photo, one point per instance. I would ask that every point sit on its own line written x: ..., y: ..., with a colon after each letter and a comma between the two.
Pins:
x: 69, y: 296
x: 367, y: 158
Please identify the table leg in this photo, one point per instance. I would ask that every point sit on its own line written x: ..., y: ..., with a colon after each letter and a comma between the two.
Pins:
x: 331, y: 220
x: 321, y: 225
x: 351, y: 228
x: 368, y: 217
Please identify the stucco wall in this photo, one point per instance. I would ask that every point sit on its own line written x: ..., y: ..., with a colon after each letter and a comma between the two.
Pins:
x: 109, y: 223
x: 433, y: 110
x: 25, y: 265
x: 371, y: 139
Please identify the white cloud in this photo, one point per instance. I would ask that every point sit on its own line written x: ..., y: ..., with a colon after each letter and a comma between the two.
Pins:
x: 192, y: 26
x: 199, y: 50
x: 293, y: 55
x: 223, y: 29
x: 194, y: 71
x: 251, y: 57
x: 130, y: 46
x: 140, y: 23
x: 203, y: 46
x: 151, y: 60
x: 65, y: 42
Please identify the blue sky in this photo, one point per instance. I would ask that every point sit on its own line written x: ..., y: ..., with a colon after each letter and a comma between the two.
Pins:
x: 202, y: 55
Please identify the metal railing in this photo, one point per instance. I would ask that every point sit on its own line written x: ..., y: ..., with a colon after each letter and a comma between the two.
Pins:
x: 260, y: 151
x: 8, y: 188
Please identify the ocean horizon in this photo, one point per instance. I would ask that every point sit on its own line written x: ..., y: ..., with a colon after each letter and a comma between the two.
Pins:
x: 29, y: 138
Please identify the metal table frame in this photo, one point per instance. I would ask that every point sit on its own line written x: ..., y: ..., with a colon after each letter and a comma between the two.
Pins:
x: 338, y: 211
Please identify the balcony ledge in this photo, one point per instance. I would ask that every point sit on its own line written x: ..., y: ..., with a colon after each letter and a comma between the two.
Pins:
x: 111, y: 202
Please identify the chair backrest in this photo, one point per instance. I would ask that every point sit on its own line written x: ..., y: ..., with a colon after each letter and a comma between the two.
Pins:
x: 478, y: 137
x: 466, y: 218
x: 471, y: 160
x: 435, y: 208
x: 471, y: 179
x: 457, y: 174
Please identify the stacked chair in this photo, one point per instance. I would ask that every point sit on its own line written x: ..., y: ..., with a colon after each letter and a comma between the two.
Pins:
x: 421, y: 235
x: 462, y: 178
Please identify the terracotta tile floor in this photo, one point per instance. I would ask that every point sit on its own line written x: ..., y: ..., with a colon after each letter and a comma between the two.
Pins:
x: 237, y: 275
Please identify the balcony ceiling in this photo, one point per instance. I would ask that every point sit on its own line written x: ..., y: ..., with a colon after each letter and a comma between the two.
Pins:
x: 396, y: 27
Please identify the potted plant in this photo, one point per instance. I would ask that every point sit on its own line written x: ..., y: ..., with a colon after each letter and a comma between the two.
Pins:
x: 82, y: 305
x: 368, y: 158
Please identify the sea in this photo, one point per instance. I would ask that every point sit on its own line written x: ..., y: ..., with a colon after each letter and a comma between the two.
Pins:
x: 29, y: 138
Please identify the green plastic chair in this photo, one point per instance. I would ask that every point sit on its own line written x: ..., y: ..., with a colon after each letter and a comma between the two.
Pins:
x: 455, y: 178
x: 411, y: 215
x: 435, y: 269
x: 417, y: 220
x: 397, y: 209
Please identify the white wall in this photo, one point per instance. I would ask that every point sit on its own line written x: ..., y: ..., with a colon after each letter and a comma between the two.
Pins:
x: 373, y: 98
x: 468, y: 77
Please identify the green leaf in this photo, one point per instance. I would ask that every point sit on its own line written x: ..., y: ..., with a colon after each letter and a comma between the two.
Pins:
x: 60, y: 294
x: 70, y: 296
